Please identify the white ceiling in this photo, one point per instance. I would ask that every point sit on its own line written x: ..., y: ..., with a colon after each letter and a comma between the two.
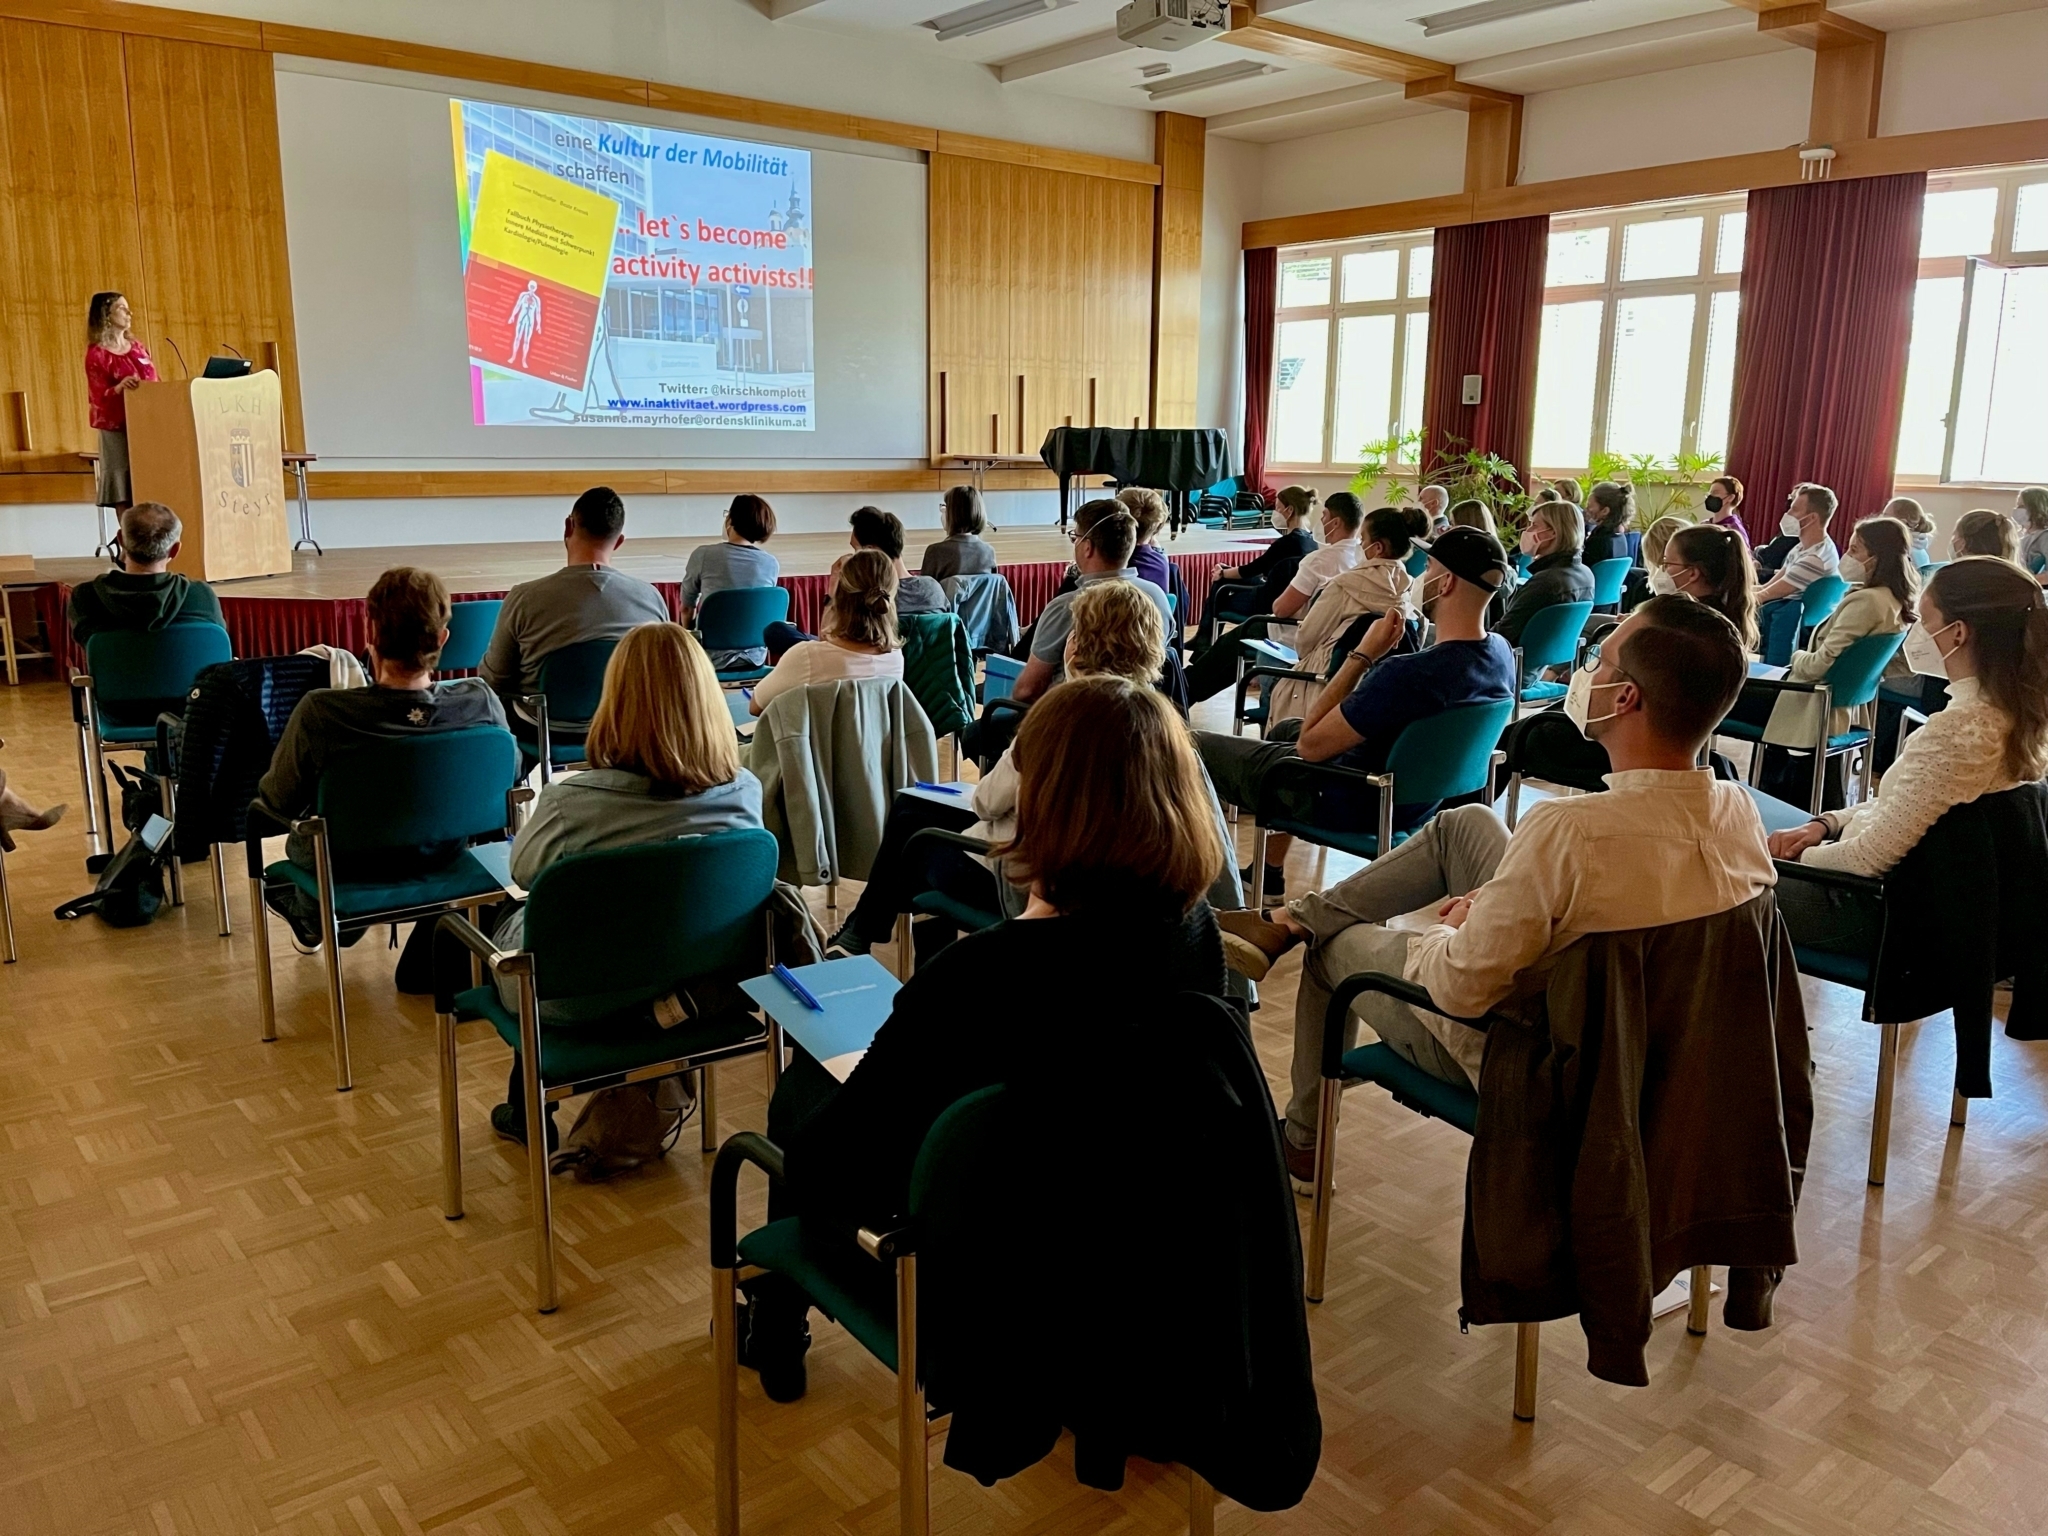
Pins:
x: 1074, y: 50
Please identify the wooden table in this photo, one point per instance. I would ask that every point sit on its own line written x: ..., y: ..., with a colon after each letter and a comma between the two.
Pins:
x: 17, y: 574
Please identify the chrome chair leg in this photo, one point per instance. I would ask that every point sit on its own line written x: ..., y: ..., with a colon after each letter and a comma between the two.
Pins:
x: 1958, y: 1111
x: 537, y: 1145
x: 1201, y: 1505
x: 167, y: 797
x: 1696, y: 1318
x: 906, y: 959
x: 99, y: 791
x: 1514, y: 799
x: 913, y: 1471
x: 330, y: 947
x: 1528, y: 1355
x: 219, y: 861
x: 725, y: 1370
x: 707, y: 1108
x: 6, y: 910
x: 451, y: 1119
x: 831, y: 895
x: 1881, y: 1114
x: 1326, y: 1184
x: 259, y: 920
x: 95, y: 841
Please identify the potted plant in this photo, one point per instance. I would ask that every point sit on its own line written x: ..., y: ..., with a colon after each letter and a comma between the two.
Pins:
x: 1465, y: 473
x: 1663, y: 487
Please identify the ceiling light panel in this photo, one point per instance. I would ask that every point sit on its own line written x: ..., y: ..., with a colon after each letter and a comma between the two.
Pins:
x: 1441, y: 22
x: 972, y: 20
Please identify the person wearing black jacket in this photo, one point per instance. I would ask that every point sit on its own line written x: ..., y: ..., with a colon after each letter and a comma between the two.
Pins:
x: 1556, y: 573
x: 1272, y: 569
x: 1609, y: 508
x: 1118, y: 843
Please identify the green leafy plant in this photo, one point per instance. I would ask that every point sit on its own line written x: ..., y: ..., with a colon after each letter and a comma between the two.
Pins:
x: 1663, y: 487
x: 1467, y: 475
x: 1377, y: 480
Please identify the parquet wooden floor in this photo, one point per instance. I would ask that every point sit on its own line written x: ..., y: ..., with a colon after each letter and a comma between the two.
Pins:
x: 229, y: 1303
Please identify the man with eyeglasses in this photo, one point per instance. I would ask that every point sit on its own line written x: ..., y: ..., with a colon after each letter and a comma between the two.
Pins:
x: 1482, y: 911
x: 1105, y: 534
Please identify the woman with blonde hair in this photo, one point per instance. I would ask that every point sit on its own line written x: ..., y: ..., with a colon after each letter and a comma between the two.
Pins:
x: 1984, y: 532
x: 1650, y: 579
x: 1148, y: 509
x: 860, y: 637
x: 1919, y: 526
x: 663, y: 764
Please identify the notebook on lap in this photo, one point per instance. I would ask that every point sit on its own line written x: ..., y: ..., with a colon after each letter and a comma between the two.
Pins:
x: 855, y: 996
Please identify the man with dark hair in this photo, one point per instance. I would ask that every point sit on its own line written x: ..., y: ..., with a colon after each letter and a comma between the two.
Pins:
x: 1483, y: 911
x: 587, y: 599
x: 408, y: 623
x: 145, y: 593
x: 875, y: 529
x: 1105, y: 534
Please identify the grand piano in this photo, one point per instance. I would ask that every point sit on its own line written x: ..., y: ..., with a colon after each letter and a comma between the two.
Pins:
x: 1181, y: 461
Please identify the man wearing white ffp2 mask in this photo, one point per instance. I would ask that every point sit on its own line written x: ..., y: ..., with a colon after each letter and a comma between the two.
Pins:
x: 1815, y: 555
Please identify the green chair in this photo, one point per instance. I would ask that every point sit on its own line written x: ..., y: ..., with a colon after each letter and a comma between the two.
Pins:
x: 938, y: 904
x: 938, y: 668
x: 1817, y: 604
x: 470, y: 626
x: 1850, y: 683
x: 733, y: 620
x: 1432, y: 1098
x: 131, y: 677
x: 571, y: 683
x: 674, y: 916
x: 1449, y: 756
x: 376, y: 806
x: 1416, y: 562
x: 1609, y: 576
x: 1549, y: 639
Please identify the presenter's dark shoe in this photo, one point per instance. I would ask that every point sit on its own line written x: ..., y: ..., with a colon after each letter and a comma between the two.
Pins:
x: 1750, y: 1293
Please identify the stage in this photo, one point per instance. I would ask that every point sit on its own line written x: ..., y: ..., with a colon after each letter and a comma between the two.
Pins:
x: 321, y: 601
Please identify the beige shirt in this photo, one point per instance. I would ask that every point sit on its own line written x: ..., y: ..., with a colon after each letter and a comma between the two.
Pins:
x: 1660, y: 846
x: 820, y: 661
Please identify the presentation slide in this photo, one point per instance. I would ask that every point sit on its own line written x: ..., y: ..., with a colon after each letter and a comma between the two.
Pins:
x: 619, y: 275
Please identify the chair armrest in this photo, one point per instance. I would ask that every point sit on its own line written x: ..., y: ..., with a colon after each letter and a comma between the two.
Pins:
x: 949, y: 839
x: 887, y: 1246
x: 739, y: 1149
x: 1784, y: 684
x: 258, y: 816
x: 457, y: 929
x: 530, y: 707
x: 1837, y: 879
x: 81, y: 691
x: 518, y: 806
x: 1244, y: 683
x: 1005, y: 703
x: 166, y: 760
x: 1351, y: 988
x: 1302, y: 768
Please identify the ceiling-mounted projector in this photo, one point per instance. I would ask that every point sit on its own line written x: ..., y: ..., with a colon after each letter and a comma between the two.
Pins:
x: 1170, y: 25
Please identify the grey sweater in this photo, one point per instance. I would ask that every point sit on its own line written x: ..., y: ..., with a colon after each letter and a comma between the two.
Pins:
x: 578, y: 602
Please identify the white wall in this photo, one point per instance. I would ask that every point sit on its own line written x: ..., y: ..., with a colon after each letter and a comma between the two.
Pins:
x: 1229, y: 197
x: 1965, y: 74
x: 1420, y: 156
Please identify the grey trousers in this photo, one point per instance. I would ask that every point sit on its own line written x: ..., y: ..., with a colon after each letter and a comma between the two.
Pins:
x: 1455, y: 854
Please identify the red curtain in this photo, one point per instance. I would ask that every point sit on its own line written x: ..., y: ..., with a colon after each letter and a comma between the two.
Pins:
x: 1820, y: 353
x: 1485, y: 317
x: 1261, y: 301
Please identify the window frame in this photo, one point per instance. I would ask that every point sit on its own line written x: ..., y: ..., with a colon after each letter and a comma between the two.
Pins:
x: 1401, y: 306
x: 1703, y: 286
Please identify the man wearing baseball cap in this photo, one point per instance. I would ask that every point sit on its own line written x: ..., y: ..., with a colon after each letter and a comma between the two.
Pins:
x: 1375, y: 695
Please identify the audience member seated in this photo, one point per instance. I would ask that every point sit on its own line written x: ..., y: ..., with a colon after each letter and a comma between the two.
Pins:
x: 963, y: 551
x: 1667, y: 843
x: 2030, y: 517
x: 1813, y: 556
x: 1216, y: 669
x: 860, y: 639
x: 738, y: 561
x: 1105, y: 534
x: 1469, y: 514
x: 1149, y: 509
x: 1434, y: 502
x: 1116, y: 841
x: 663, y: 764
x: 1563, y: 488
x: 1982, y: 626
x: 1377, y: 584
x: 1272, y: 569
x: 1723, y: 505
x: 1556, y: 574
x: 587, y: 599
x: 1116, y: 633
x: 1375, y: 695
x: 878, y: 530
x: 1610, y: 507
x: 1650, y: 579
x: 407, y: 617
x: 1710, y: 563
x: 1919, y: 526
x: 145, y: 594
x: 1984, y: 532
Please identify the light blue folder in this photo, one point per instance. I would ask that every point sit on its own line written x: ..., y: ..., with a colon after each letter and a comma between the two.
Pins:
x: 858, y: 994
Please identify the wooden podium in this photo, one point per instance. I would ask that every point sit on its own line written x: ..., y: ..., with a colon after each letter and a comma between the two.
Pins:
x: 212, y: 450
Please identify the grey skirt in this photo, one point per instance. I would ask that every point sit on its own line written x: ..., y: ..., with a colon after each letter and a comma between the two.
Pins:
x: 113, y: 469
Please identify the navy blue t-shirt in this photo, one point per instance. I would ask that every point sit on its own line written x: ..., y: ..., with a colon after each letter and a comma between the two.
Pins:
x: 1399, y: 690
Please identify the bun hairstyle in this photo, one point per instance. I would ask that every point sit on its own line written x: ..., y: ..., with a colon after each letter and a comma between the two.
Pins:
x: 1984, y: 532
x: 1394, y: 527
x: 1298, y: 499
x: 863, y: 610
x: 1891, y: 561
x: 1610, y: 505
x: 1909, y: 512
x: 963, y: 511
x: 1722, y: 559
x: 1147, y: 506
x: 1413, y: 519
x: 96, y: 314
x: 2008, y: 620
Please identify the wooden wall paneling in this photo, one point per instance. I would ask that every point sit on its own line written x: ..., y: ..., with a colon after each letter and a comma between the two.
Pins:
x: 1130, y: 213
x: 143, y: 20
x: 1180, y: 143
x: 67, y: 230
x: 210, y: 191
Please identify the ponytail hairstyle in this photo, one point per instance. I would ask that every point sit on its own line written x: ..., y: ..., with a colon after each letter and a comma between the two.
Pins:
x: 1984, y: 532
x: 1722, y: 560
x: 1392, y: 526
x: 1891, y: 561
x: 863, y: 610
x: 1299, y: 500
x: 1911, y: 513
x: 2008, y: 620
x: 1147, y: 508
x: 1611, y: 504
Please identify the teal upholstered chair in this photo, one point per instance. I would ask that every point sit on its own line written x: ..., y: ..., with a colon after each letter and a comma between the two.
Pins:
x: 672, y: 916
x: 470, y: 626
x: 571, y: 683
x: 1446, y: 757
x: 1549, y: 639
x: 1609, y: 576
x: 937, y: 904
x: 376, y: 804
x: 1817, y: 604
x: 1416, y: 562
x: 130, y: 677
x: 1850, y: 683
x: 1433, y: 1098
x: 734, y: 620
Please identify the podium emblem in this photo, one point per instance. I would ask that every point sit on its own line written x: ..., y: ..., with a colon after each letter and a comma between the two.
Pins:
x: 242, y: 458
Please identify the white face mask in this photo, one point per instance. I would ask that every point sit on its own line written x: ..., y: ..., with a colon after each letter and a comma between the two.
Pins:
x: 1661, y: 582
x: 1278, y: 519
x: 1578, y: 702
x: 1788, y: 525
x: 1529, y: 544
x: 1924, y: 653
x: 1853, y: 571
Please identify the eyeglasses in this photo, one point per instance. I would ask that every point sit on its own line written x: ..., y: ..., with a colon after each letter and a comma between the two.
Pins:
x: 1590, y: 661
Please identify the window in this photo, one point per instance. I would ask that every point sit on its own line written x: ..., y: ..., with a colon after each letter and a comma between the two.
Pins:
x: 1349, y: 349
x: 1975, y: 393
x: 1637, y: 354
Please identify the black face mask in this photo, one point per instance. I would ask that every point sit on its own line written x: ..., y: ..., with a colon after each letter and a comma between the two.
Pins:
x: 1714, y: 503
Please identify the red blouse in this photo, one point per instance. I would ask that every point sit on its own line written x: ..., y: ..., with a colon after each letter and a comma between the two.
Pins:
x: 104, y: 372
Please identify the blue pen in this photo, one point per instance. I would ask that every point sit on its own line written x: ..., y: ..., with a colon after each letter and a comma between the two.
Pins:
x: 784, y: 975
x: 944, y: 789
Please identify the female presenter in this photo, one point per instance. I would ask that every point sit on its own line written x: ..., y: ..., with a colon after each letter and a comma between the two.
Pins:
x: 115, y: 362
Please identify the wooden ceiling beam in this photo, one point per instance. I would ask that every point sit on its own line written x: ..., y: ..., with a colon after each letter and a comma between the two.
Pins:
x: 1284, y: 40
x: 1815, y: 27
